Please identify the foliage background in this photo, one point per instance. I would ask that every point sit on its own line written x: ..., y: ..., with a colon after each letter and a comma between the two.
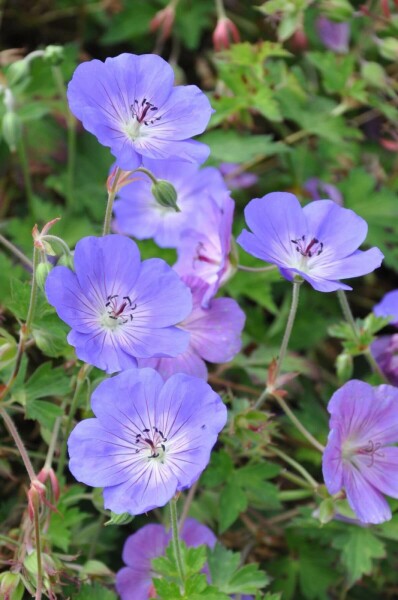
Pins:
x: 287, y: 109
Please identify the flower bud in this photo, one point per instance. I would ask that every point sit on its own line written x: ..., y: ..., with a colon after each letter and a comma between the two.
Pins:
x: 11, y: 586
x: 54, y: 55
x: 17, y: 71
x: 43, y: 269
x: 165, y: 194
x: 163, y: 21
x: 119, y: 519
x: 388, y: 48
x: 66, y: 260
x: 12, y: 129
x: 225, y: 32
x: 373, y: 74
x: 326, y: 511
x: 8, y: 349
x: 344, y: 367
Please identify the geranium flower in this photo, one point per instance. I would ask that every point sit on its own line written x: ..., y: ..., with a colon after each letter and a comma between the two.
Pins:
x: 385, y: 352
x: 130, y: 105
x: 138, y: 214
x: 149, y: 439
x: 134, y: 582
x: 119, y: 308
x: 204, y: 253
x: 318, y: 190
x: 359, y: 456
x: 215, y: 334
x: 239, y: 181
x: 318, y: 242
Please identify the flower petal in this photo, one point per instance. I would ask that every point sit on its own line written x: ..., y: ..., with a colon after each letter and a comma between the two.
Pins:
x: 187, y: 362
x: 381, y: 469
x: 367, y: 502
x: 388, y: 307
x: 332, y: 466
x: 98, y: 457
x: 101, y: 349
x: 357, y: 264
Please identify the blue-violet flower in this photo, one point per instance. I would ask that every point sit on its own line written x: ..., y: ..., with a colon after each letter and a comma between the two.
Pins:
x: 119, y: 308
x: 130, y: 104
x: 360, y: 456
x: 318, y: 242
x: 149, y: 439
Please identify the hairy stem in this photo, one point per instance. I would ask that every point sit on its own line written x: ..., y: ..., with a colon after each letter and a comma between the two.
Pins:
x: 176, y: 540
x: 297, y: 423
x: 109, y: 206
x: 81, y: 376
x: 18, y: 442
x: 299, y: 468
x: 26, y: 174
x: 256, y: 269
x: 285, y: 341
x: 14, y: 250
x: 220, y: 9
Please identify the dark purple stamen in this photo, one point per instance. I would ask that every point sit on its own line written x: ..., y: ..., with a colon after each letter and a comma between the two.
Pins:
x: 314, y: 248
x: 140, y: 111
x: 122, y: 312
x: 153, y: 442
x: 371, y: 450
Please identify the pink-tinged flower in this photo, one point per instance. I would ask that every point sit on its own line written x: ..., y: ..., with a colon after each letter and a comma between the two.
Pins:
x: 388, y: 307
x: 360, y: 456
x: 140, y: 215
x: 318, y: 242
x: 119, y: 309
x: 149, y: 439
x: 239, y: 180
x: 318, y: 190
x: 385, y: 353
x: 214, y: 334
x: 134, y: 582
x: 130, y: 104
x: 205, y: 253
x: 334, y: 36
x: 225, y: 33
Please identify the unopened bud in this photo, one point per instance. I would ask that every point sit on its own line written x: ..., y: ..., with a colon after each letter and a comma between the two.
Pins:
x: 54, y: 55
x: 119, y: 519
x: 17, y: 71
x: 163, y: 21
x: 225, y: 33
x: 66, y: 260
x: 12, y: 129
x: 165, y: 194
x: 388, y: 48
x: 42, y: 271
x: 344, y: 367
x: 326, y: 511
x: 48, y: 473
x: 373, y: 74
x: 11, y: 587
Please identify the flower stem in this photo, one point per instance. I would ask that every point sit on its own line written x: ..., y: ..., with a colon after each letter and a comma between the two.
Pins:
x: 111, y: 199
x: 176, y: 540
x: 18, y: 442
x: 349, y: 317
x: 299, y: 468
x: 33, y: 293
x: 38, y: 553
x: 220, y: 9
x: 285, y: 340
x: 71, y: 135
x: 256, y: 269
x: 24, y: 259
x: 147, y: 172
x: 26, y: 175
x: 297, y: 423
x: 187, y: 505
x: 81, y: 376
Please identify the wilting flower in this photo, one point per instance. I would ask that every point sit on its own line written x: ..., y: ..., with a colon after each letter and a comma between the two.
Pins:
x: 334, y: 36
x: 388, y: 307
x: 318, y: 242
x: 238, y: 181
x: 149, y: 439
x: 385, y: 353
x: 359, y: 456
x: 140, y: 215
x: 215, y: 335
x: 130, y: 105
x: 205, y: 253
x: 119, y: 308
x: 134, y: 582
x: 318, y: 190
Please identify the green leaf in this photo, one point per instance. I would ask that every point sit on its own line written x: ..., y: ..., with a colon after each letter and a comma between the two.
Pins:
x: 94, y: 592
x: 247, y: 580
x: 233, y: 501
x: 359, y: 547
x: 230, y: 146
x: 219, y: 470
x: 44, y: 412
x: 47, y: 381
x: 50, y: 336
x: 229, y: 578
